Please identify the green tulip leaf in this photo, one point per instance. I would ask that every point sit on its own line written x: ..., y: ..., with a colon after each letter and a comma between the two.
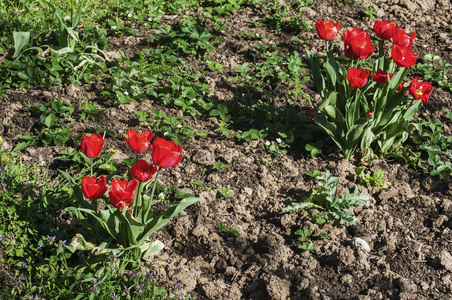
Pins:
x: 158, y: 222
x: 21, y: 39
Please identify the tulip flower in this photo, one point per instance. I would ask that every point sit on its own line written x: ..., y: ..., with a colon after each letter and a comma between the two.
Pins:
x: 420, y: 90
x: 138, y: 142
x: 404, y: 57
x: 380, y: 76
x: 357, y: 44
x: 401, y: 38
x: 143, y: 172
x: 122, y: 192
x: 351, y: 34
x: 357, y: 77
x: 384, y: 30
x: 94, y: 188
x: 92, y: 145
x: 166, y: 154
x: 327, y: 30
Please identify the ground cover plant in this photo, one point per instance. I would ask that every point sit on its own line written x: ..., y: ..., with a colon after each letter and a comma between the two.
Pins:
x: 316, y: 133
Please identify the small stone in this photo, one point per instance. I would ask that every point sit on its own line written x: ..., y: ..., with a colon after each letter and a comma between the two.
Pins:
x: 347, y: 279
x: 359, y: 243
x: 406, y: 285
x: 48, y: 95
x: 248, y: 191
x: 445, y: 259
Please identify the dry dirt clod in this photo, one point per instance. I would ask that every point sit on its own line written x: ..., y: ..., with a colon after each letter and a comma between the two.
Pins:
x: 278, y: 288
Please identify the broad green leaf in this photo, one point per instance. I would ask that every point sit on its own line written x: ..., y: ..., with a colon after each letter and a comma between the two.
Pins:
x: 158, y: 222
x: 50, y: 120
x: 317, y: 75
x: 149, y: 249
x: 65, y: 50
x: 299, y: 206
x: 21, y: 39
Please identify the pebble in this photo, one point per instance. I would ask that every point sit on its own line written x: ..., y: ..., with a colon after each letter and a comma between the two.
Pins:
x: 359, y: 243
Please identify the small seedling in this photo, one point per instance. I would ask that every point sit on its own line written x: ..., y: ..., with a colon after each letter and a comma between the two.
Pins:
x: 231, y: 231
x: 220, y: 167
x: 225, y: 192
x: 370, y: 12
x: 306, y: 235
x: 375, y: 180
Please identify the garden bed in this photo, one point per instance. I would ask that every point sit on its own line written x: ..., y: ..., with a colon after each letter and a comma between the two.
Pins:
x: 246, y: 182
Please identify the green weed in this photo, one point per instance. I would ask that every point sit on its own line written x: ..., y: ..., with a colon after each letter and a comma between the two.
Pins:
x: 335, y: 208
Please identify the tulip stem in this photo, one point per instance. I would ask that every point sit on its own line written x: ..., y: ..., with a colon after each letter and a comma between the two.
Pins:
x: 151, y: 199
x: 94, y: 204
x: 381, y: 49
x: 138, y: 203
x: 91, y: 167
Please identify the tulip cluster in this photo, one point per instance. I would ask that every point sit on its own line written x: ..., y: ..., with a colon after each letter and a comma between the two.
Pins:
x: 165, y: 154
x: 128, y: 221
x: 361, y: 105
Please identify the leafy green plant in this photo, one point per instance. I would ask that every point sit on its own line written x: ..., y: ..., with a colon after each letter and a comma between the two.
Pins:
x: 314, y: 148
x: 67, y: 36
x: 408, y: 157
x: 437, y: 70
x: 306, y: 237
x: 88, y: 110
x: 428, y: 137
x: 52, y: 115
x: 169, y: 127
x: 336, y: 208
x: 220, y: 166
x: 374, y: 180
x: 305, y: 3
x: 370, y: 12
x: 224, y: 193
x: 231, y: 231
x: 187, y: 38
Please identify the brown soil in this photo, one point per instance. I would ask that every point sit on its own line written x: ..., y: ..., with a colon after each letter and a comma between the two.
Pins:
x: 408, y: 226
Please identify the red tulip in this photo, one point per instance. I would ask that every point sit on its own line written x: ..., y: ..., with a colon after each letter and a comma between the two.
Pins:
x: 166, y: 154
x: 143, y: 172
x: 138, y: 142
x: 357, y: 77
x: 401, y: 38
x: 380, y: 76
x: 369, y: 115
x: 122, y: 192
x: 327, y: 30
x: 403, y: 56
x: 420, y: 89
x: 384, y: 30
x: 357, y: 44
x: 92, y: 145
x: 93, y: 188
x: 351, y: 34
